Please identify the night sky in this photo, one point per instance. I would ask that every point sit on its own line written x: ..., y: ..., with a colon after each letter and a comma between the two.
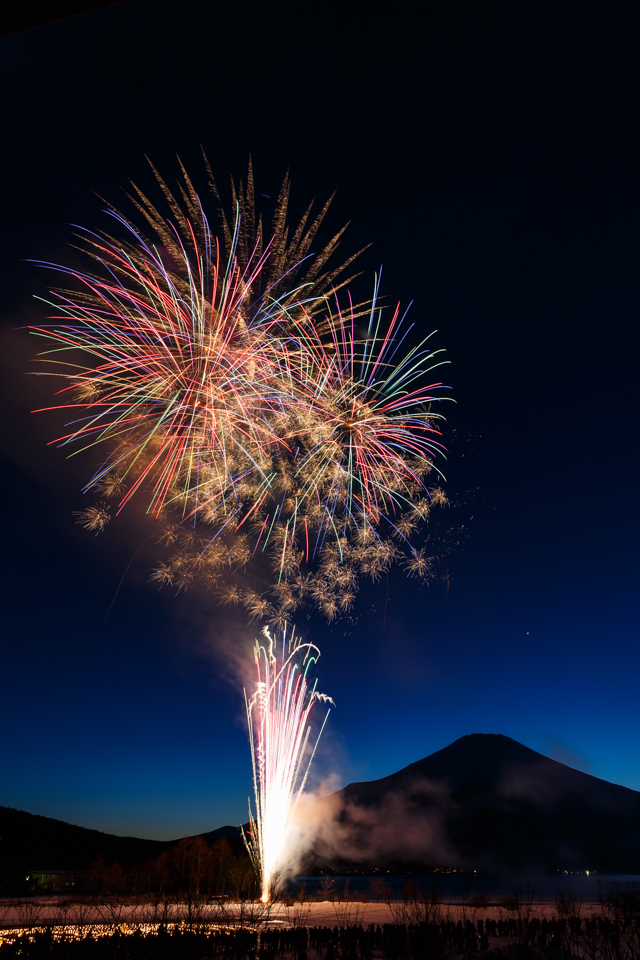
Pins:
x: 490, y: 153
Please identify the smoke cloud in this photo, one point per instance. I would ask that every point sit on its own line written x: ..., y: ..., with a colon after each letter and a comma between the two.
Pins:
x: 334, y: 828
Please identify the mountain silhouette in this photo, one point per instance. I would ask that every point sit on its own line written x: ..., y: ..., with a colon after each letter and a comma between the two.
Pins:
x: 492, y: 803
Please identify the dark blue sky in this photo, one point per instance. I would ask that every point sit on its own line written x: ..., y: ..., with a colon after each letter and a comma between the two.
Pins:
x: 491, y: 155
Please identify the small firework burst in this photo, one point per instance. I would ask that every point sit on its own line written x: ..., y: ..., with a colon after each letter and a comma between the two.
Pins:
x: 94, y: 518
x: 419, y: 565
x: 163, y: 575
x: 230, y: 594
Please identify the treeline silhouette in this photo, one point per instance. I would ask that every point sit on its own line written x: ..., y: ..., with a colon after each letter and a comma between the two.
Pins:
x: 190, y: 870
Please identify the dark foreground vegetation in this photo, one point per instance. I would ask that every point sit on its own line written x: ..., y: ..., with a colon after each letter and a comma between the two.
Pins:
x: 188, y: 868
x: 608, y: 931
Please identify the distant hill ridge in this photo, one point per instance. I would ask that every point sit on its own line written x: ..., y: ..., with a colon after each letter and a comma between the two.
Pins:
x: 496, y: 803
x: 45, y: 843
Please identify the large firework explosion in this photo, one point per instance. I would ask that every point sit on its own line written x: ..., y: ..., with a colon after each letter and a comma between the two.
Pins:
x: 267, y: 422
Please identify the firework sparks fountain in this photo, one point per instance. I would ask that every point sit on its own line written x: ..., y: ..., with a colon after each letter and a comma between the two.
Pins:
x: 279, y: 733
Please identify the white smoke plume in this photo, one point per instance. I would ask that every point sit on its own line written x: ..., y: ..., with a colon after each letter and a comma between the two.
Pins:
x: 329, y: 827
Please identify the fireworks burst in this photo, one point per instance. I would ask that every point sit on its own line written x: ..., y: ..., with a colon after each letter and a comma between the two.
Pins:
x: 278, y: 717
x: 368, y: 431
x: 94, y: 518
x: 237, y: 395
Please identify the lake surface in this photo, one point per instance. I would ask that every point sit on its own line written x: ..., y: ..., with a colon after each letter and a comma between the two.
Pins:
x: 545, y: 888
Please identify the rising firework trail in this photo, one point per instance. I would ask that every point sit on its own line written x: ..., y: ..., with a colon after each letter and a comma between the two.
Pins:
x: 278, y: 715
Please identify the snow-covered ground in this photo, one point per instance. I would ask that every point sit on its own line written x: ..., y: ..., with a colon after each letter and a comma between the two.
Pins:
x: 103, y: 916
